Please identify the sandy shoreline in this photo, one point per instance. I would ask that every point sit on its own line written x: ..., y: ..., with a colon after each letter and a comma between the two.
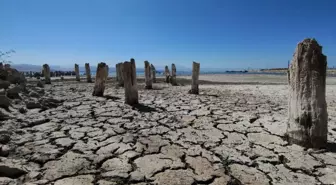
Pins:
x: 232, y: 133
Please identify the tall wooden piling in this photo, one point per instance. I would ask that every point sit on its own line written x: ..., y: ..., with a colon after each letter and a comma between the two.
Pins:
x: 130, y: 83
x: 167, y: 74
x: 121, y: 74
x: 153, y: 73
x: 307, y: 112
x: 195, y: 77
x: 46, y: 73
x: 173, y: 75
x: 148, y: 76
x: 117, y: 72
x: 88, y: 73
x: 99, y: 86
x: 77, y: 72
x: 107, y: 71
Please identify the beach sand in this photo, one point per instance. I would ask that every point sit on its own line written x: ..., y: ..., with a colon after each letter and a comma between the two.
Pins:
x: 231, y: 133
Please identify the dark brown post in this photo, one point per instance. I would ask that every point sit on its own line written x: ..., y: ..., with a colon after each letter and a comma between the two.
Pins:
x: 46, y: 74
x: 107, y: 71
x: 195, y: 76
x: 167, y: 74
x: 117, y: 72
x: 99, y: 87
x: 121, y: 74
x: 153, y: 73
x: 173, y: 76
x: 77, y: 72
x: 148, y: 78
x: 130, y: 83
x: 308, y: 117
x: 88, y: 72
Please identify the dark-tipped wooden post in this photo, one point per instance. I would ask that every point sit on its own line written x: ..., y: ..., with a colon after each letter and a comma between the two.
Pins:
x: 167, y: 74
x: 308, y: 117
x: 153, y: 73
x: 117, y: 71
x: 46, y: 74
x: 195, y: 77
x: 1, y: 65
x: 77, y: 72
x: 148, y: 76
x: 121, y: 74
x: 100, y: 80
x: 107, y: 71
x: 88, y: 72
x: 173, y: 76
x: 130, y: 83
x: 288, y: 71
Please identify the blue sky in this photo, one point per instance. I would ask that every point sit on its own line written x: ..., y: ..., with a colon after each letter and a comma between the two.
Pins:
x: 218, y: 33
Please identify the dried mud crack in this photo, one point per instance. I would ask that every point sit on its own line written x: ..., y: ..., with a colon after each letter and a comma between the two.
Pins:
x: 229, y: 134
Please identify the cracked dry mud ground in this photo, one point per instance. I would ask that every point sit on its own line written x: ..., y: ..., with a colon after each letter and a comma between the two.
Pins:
x: 229, y: 134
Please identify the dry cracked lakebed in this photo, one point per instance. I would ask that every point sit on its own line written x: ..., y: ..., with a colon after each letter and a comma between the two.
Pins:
x: 229, y: 134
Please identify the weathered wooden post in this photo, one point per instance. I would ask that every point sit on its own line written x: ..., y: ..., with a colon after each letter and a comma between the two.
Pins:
x: 1, y: 65
x: 46, y: 74
x: 307, y: 112
x: 167, y: 74
x: 153, y: 73
x: 195, y: 77
x: 130, y: 83
x: 77, y: 72
x: 173, y: 76
x: 117, y: 71
x: 148, y: 78
x: 121, y: 74
x: 100, y: 80
x: 88, y: 72
x: 107, y: 71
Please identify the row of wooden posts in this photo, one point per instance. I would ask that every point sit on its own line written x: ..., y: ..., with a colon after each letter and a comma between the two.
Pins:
x: 307, y: 108
x: 126, y: 77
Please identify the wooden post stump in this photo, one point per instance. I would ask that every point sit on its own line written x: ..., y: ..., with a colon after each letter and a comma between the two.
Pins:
x: 130, y: 83
x: 148, y: 78
x: 77, y: 72
x: 307, y: 112
x: 167, y: 73
x: 88, y: 72
x: 117, y: 72
x: 153, y: 73
x: 100, y: 80
x: 173, y: 76
x: 46, y: 74
x: 121, y: 74
x: 107, y: 72
x: 195, y: 77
